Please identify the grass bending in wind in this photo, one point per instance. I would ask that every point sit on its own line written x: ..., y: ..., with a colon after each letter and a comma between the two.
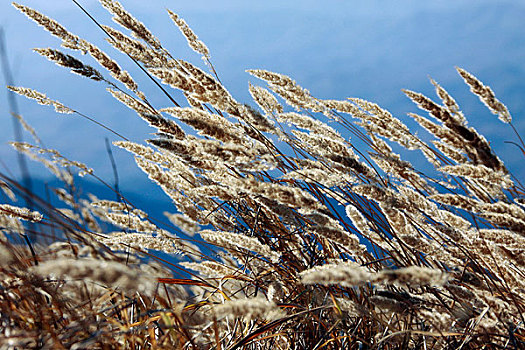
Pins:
x: 314, y: 243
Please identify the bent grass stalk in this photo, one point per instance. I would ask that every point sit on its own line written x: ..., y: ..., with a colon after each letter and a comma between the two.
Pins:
x: 421, y: 260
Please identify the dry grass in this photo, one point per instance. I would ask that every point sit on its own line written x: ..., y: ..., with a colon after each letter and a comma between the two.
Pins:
x: 324, y: 246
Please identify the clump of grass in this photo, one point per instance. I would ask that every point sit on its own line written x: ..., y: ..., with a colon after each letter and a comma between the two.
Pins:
x: 322, y: 246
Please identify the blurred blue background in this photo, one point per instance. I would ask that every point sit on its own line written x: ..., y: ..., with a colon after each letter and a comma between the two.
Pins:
x: 336, y: 49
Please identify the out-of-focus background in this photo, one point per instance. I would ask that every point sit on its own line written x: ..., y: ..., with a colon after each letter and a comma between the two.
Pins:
x: 335, y: 48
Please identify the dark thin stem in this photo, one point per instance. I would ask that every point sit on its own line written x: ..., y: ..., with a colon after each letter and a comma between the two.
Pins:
x: 102, y: 125
x: 48, y: 200
x: 518, y: 135
x: 134, y: 60
x: 114, y: 167
x: 13, y: 107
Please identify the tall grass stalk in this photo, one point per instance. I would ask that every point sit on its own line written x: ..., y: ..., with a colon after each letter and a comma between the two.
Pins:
x: 293, y: 237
